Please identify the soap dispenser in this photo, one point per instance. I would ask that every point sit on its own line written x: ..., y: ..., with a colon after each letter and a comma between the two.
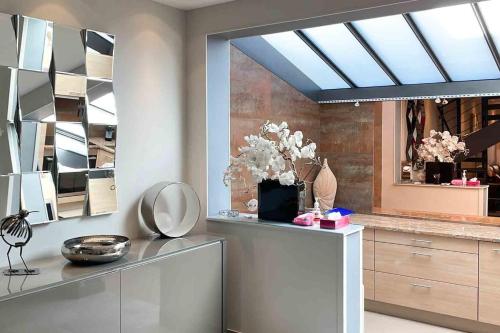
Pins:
x: 317, y: 211
x: 464, y: 177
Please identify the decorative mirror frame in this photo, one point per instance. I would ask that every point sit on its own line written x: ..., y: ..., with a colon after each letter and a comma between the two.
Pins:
x: 58, y: 156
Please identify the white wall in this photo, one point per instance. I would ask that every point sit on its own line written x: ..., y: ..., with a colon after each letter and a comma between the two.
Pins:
x: 149, y: 82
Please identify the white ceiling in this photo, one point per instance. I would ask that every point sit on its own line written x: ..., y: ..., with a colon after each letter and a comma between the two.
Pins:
x: 191, y: 4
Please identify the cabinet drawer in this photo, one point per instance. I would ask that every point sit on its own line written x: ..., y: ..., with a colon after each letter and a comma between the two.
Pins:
x: 368, y: 255
x: 489, y: 267
x: 489, y: 306
x: 438, y: 265
x: 433, y: 242
x: 369, y: 284
x: 369, y: 234
x: 444, y: 298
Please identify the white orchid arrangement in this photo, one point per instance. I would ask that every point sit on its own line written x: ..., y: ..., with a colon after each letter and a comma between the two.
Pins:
x: 441, y: 147
x: 273, y: 154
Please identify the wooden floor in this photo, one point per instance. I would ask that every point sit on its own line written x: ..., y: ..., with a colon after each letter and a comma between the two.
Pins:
x: 378, y: 323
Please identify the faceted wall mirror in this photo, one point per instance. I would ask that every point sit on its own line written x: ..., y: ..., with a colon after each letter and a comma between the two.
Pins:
x: 58, y: 120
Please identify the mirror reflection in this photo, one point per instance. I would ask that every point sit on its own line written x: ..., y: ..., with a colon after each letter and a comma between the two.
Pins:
x: 69, y: 51
x: 102, y: 192
x: 102, y: 143
x: 37, y: 146
x: 38, y: 195
x: 101, y: 108
x: 99, y: 57
x: 9, y: 149
x: 35, y: 44
x: 8, y: 93
x: 8, y: 46
x: 10, y: 194
x: 36, y: 100
x: 71, y: 194
x: 71, y: 110
x: 70, y: 86
x: 71, y: 147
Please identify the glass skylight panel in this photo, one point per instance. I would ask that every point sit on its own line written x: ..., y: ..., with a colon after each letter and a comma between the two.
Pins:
x: 305, y: 59
x: 490, y: 11
x: 395, y: 43
x: 456, y: 38
x: 344, y: 50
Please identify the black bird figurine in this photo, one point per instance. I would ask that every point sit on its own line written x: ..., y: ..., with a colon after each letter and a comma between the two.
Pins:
x: 16, y: 232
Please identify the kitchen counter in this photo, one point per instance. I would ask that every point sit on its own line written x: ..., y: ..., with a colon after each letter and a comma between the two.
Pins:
x: 474, y: 231
x: 57, y: 271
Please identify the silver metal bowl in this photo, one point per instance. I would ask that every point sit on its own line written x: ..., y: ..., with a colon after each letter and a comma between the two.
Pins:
x: 99, y: 249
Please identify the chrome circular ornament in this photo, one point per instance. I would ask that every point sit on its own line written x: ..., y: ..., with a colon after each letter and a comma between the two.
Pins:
x: 170, y: 208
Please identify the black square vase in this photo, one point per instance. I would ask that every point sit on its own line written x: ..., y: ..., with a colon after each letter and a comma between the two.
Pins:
x: 280, y: 203
x: 445, y: 171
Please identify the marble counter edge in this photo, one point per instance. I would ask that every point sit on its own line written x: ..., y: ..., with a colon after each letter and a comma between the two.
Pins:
x: 254, y: 222
x: 461, y: 230
x: 80, y: 273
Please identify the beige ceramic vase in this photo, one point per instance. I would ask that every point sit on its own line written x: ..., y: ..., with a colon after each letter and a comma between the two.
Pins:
x: 325, y: 187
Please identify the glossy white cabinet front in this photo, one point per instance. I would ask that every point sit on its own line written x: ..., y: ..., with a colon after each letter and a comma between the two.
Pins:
x: 90, y: 305
x: 181, y: 293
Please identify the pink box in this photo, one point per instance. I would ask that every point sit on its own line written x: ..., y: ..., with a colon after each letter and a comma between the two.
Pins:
x: 335, y: 224
x: 473, y: 183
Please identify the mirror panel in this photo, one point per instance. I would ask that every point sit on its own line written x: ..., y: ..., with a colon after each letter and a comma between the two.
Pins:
x: 72, y: 110
x: 101, y: 106
x: 71, y: 147
x: 35, y: 43
x: 10, y: 194
x: 8, y: 93
x: 70, y: 86
x: 69, y: 50
x: 37, y: 146
x: 72, y: 194
x: 102, y: 146
x: 99, y: 54
x: 9, y: 148
x: 8, y: 44
x: 36, y: 100
x: 38, y: 195
x: 102, y: 192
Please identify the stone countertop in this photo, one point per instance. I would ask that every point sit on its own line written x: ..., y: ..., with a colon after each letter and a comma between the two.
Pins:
x: 255, y: 222
x: 58, y: 271
x: 463, y: 230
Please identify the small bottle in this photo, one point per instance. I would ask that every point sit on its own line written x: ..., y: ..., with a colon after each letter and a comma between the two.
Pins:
x: 464, y: 177
x: 317, y: 211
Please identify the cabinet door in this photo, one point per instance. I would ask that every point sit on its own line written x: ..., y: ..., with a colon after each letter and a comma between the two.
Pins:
x: 91, y: 305
x: 181, y: 293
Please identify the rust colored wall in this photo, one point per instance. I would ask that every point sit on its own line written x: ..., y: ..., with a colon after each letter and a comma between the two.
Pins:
x: 347, y: 140
x: 258, y: 95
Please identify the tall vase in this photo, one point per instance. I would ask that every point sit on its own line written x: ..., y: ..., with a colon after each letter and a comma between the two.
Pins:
x: 325, y: 187
x: 280, y: 203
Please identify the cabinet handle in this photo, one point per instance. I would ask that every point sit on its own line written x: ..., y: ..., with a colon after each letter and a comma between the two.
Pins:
x: 420, y: 285
x: 421, y: 254
x: 421, y: 241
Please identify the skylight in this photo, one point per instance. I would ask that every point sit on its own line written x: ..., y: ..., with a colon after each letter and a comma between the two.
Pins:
x: 402, y: 52
x: 456, y: 37
x: 305, y: 59
x: 447, y: 48
x: 343, y: 49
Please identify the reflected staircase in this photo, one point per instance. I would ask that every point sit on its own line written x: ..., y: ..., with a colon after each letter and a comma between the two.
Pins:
x: 477, y: 122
